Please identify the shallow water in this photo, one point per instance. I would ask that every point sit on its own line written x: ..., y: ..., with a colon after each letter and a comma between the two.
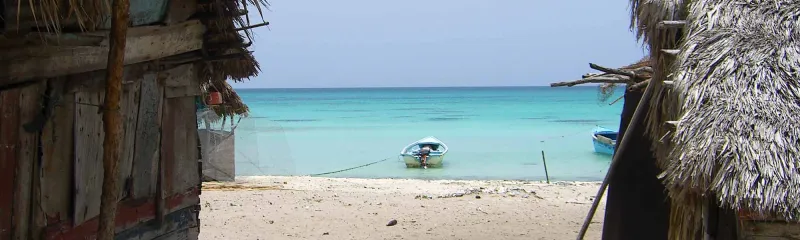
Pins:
x: 493, y: 133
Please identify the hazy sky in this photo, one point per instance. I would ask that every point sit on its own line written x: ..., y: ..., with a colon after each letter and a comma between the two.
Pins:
x: 376, y: 43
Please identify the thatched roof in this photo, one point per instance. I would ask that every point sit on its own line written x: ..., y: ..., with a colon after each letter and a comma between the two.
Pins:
x: 225, y: 55
x: 736, y: 96
x: 739, y: 89
x: 223, y: 41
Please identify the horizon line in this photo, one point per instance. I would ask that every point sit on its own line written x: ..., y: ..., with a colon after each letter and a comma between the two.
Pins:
x: 385, y: 87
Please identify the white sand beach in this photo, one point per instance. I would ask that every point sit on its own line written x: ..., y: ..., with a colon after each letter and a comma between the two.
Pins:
x: 276, y: 208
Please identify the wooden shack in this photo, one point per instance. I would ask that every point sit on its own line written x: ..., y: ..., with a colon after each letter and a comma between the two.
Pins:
x: 52, y: 60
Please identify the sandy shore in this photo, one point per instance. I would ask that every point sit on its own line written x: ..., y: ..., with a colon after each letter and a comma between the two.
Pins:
x: 274, y: 208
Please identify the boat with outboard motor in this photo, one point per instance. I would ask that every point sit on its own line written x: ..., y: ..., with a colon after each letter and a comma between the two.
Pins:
x: 426, y: 152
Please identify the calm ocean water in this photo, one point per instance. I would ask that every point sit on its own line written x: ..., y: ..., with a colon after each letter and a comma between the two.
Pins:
x: 493, y: 133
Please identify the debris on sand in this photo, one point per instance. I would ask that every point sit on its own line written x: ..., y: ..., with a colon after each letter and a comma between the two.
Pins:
x: 505, y: 192
x: 392, y: 223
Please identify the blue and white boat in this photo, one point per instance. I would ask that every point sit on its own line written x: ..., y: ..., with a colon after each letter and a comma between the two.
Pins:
x: 604, y: 140
x: 429, y: 149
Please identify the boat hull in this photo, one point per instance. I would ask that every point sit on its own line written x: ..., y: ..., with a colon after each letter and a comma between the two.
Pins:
x: 604, y: 140
x: 410, y: 154
x: 603, y: 148
x: 413, y: 162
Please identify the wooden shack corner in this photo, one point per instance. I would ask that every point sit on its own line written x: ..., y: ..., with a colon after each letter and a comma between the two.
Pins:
x: 52, y: 63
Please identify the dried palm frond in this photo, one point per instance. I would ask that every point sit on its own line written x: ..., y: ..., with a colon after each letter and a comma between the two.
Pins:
x: 645, y: 16
x: 54, y: 15
x: 224, y: 41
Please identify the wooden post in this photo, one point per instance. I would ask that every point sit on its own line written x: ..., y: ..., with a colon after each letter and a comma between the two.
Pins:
x: 546, y: 175
x: 112, y: 119
x: 638, y: 115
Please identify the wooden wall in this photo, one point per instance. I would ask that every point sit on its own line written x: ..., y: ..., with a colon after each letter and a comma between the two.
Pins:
x: 768, y: 230
x: 51, y: 156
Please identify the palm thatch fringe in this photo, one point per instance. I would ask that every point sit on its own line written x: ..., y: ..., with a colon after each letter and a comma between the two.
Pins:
x: 645, y: 16
x: 607, y: 90
x: 53, y: 14
x: 223, y: 38
x: 737, y: 87
x: 233, y: 104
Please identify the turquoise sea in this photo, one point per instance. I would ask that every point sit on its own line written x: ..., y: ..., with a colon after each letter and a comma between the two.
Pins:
x: 492, y: 132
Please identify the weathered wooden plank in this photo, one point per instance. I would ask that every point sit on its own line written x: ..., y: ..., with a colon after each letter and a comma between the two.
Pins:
x: 175, y: 222
x: 184, y: 158
x: 88, y: 155
x: 27, y: 153
x: 57, y: 159
x: 184, y: 234
x: 55, y: 88
x: 167, y: 155
x: 130, y: 214
x: 130, y: 111
x: 180, y: 76
x: 147, y: 139
x: 179, y: 166
x: 9, y: 125
x: 181, y: 81
x: 762, y: 230
x: 143, y: 44
x: 180, y: 92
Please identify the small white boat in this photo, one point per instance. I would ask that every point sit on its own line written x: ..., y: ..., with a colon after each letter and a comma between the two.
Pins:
x: 426, y: 152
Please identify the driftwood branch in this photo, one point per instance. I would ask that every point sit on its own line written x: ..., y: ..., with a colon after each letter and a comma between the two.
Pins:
x: 112, y: 119
x: 252, y: 26
x: 617, y: 100
x: 640, y: 85
x: 627, y: 73
x: 620, y: 79
x: 646, y: 69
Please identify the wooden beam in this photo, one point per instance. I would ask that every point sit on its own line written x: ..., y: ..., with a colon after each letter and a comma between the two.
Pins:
x: 670, y: 24
x: 142, y: 44
x: 599, y: 79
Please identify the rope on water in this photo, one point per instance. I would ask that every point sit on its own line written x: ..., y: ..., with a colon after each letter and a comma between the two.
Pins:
x: 348, y: 169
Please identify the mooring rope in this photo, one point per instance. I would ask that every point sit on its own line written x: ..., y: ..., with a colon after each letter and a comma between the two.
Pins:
x: 348, y: 169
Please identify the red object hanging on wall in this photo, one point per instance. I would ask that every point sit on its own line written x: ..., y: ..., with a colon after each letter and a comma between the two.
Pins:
x: 214, y: 98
